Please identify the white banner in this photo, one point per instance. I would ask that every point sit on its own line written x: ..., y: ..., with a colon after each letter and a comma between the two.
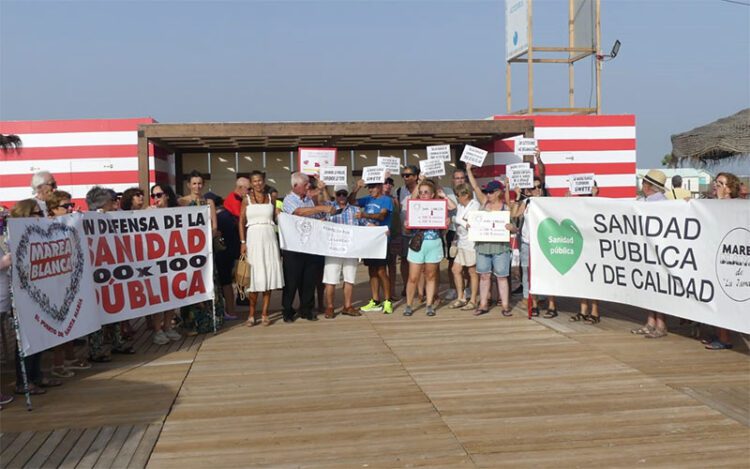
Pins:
x: 390, y: 163
x: 439, y: 152
x: 334, y: 175
x: 312, y: 236
x: 432, y: 168
x: 312, y: 159
x: 53, y: 301
x: 686, y: 259
x: 488, y: 226
x: 473, y: 155
x: 72, y: 274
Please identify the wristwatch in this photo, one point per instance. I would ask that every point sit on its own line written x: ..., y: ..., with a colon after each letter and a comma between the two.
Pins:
x: 242, y: 241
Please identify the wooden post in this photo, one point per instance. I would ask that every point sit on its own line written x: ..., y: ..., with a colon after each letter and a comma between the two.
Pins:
x: 571, y: 44
x: 143, y: 180
x: 598, y: 48
x: 530, y: 59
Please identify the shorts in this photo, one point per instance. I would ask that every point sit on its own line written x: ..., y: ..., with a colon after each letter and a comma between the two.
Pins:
x: 466, y: 257
x: 498, y: 264
x: 376, y: 262
x: 431, y: 252
x: 334, y: 268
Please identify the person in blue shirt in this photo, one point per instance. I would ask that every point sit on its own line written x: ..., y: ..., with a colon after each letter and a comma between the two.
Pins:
x: 376, y: 210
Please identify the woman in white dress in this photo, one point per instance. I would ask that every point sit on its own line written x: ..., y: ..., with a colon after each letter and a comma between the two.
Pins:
x: 260, y: 245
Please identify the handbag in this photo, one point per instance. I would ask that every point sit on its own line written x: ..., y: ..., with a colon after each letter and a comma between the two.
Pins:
x: 242, y: 275
x: 415, y: 244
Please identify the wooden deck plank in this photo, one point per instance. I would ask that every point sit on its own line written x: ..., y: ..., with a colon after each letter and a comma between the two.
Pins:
x: 146, y: 446
x: 129, y: 446
x: 18, y: 444
x: 63, y: 448
x: 6, y: 439
x: 45, y: 451
x: 27, y: 452
x: 80, y: 448
x: 97, y: 447
x: 113, y: 447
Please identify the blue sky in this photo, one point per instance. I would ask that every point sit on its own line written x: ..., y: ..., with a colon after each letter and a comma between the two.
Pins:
x: 682, y: 63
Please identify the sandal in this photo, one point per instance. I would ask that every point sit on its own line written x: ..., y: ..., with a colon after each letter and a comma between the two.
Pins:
x: 459, y: 304
x: 535, y: 312
x: 469, y: 307
x: 656, y: 334
x: 579, y: 317
x: 641, y: 330
x: 101, y: 359
x: 266, y: 322
x: 50, y: 383
x: 33, y: 390
x: 590, y: 319
x: 481, y: 311
x: 507, y: 313
x: 77, y: 364
x: 719, y: 345
x: 124, y: 350
x: 552, y: 313
x: 61, y: 372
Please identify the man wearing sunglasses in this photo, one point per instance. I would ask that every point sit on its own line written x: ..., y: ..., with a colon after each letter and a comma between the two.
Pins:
x: 43, y: 184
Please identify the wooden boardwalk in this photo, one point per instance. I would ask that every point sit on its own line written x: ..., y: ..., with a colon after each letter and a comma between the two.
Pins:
x: 390, y: 391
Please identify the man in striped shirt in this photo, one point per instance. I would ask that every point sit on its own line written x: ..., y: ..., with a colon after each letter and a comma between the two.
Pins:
x: 345, y: 214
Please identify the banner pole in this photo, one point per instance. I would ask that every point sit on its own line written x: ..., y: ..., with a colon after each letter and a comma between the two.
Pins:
x: 21, y: 355
x: 529, y: 301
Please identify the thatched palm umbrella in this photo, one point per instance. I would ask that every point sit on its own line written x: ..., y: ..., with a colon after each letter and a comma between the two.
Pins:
x: 728, y: 137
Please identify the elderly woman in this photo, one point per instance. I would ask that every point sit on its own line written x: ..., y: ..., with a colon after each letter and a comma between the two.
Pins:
x: 466, y: 257
x: 427, y: 259
x: 133, y: 199
x: 492, y: 257
x: 727, y: 186
x: 26, y: 209
x: 260, y: 245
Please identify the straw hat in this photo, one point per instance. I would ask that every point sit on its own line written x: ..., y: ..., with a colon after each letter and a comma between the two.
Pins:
x: 656, y: 178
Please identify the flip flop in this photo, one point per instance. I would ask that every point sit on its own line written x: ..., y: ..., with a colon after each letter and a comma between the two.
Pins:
x: 33, y: 390
x: 124, y: 351
x: 50, y: 383
x: 718, y: 345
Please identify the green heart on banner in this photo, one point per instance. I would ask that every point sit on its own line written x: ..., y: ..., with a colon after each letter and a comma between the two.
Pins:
x: 561, y: 243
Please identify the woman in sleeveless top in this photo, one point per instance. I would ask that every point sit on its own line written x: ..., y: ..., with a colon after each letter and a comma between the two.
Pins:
x: 260, y: 245
x: 492, y: 257
x: 195, y: 197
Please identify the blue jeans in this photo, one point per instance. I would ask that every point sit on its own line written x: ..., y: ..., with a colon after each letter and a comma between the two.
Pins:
x: 497, y: 264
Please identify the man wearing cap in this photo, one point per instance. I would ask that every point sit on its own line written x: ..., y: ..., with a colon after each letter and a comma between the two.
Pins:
x: 653, y: 189
x: 377, y: 210
x: 396, y: 239
x: 345, y: 214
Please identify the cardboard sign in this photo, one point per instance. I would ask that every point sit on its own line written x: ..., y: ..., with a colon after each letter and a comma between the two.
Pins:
x: 334, y: 175
x: 432, y: 168
x: 520, y: 175
x: 439, y: 152
x: 525, y: 146
x: 391, y: 163
x: 473, y: 155
x: 373, y: 174
x: 426, y: 214
x: 581, y: 184
x: 488, y: 226
x: 312, y: 159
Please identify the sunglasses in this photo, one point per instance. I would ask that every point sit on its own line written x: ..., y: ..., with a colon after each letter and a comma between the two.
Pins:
x: 341, y: 193
x: 407, y: 175
x: 52, y: 184
x: 157, y: 195
x: 68, y: 206
x: 425, y: 192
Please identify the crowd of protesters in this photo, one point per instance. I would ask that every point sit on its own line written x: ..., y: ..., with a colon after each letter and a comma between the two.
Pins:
x: 244, y: 223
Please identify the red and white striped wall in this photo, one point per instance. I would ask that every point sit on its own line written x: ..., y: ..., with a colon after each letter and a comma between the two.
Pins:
x: 80, y: 154
x: 604, y: 145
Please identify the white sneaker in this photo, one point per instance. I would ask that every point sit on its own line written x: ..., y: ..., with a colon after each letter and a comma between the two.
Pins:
x: 160, y: 338
x: 451, y: 295
x: 173, y: 335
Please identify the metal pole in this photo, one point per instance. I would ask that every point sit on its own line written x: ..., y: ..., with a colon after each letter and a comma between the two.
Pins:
x: 598, y: 62
x: 571, y: 44
x: 529, y: 59
x: 21, y: 355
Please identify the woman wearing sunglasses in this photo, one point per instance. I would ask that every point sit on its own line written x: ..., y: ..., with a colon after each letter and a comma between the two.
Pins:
x: 492, y: 257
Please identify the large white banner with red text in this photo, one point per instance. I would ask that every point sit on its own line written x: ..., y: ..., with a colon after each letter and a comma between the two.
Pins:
x: 72, y: 274
x: 686, y: 259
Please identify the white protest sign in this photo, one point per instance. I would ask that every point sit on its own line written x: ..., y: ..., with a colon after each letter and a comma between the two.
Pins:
x: 312, y: 159
x: 325, y: 238
x: 426, y: 214
x: 525, y: 146
x: 52, y: 288
x: 439, y: 152
x: 391, y: 163
x: 432, y: 168
x: 473, y: 155
x: 373, y: 174
x: 580, y: 184
x: 685, y: 259
x: 334, y: 175
x: 488, y: 226
x: 520, y: 175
